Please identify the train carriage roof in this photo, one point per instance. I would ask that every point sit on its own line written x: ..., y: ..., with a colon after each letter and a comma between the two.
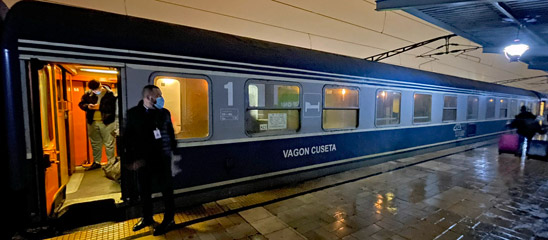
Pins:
x: 58, y: 23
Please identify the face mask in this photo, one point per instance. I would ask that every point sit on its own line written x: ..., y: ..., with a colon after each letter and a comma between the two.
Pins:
x: 159, y: 103
x: 97, y: 92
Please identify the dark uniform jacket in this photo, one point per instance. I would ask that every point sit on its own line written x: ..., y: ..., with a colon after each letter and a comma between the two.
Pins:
x: 139, y: 134
x: 527, y: 125
x: 107, y: 106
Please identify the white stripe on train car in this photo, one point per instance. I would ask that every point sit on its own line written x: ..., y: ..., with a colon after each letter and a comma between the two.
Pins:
x: 310, y: 167
x: 185, y: 144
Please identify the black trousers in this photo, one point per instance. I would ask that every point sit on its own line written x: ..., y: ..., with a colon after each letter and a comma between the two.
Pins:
x: 160, y: 169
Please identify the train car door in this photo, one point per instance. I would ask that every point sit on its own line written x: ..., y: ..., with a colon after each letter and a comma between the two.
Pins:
x: 63, y: 129
x: 50, y: 119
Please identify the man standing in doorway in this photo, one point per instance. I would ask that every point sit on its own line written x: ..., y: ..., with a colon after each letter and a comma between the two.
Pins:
x: 100, y: 106
x: 150, y: 141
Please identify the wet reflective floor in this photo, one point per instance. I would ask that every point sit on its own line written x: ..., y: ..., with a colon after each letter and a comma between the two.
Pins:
x: 477, y: 194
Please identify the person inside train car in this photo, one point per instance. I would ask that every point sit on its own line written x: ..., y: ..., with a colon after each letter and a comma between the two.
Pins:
x: 527, y: 126
x: 100, y: 105
x: 150, y: 144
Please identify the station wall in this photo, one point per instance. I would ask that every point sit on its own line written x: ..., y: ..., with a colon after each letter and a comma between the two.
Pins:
x: 347, y: 27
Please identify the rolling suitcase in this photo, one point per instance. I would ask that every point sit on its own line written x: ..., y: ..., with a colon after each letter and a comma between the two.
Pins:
x: 509, y: 143
x: 538, y: 149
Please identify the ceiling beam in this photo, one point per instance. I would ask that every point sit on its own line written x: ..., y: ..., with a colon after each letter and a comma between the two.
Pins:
x: 446, y: 26
x: 383, y: 5
x: 538, y: 66
x: 507, y: 11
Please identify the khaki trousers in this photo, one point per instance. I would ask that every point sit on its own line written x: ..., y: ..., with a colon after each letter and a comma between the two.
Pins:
x: 100, y: 134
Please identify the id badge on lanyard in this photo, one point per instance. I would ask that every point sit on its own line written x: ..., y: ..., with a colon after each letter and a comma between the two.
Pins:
x: 157, y: 134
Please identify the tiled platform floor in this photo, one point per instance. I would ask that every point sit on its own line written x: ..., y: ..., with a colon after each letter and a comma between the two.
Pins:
x: 476, y: 194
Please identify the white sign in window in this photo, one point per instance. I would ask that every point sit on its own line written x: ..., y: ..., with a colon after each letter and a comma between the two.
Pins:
x: 277, y: 121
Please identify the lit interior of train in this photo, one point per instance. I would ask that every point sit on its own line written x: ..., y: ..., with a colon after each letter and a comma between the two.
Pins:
x: 67, y: 149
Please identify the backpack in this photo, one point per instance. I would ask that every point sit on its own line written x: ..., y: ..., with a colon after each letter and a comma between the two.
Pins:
x: 112, y: 171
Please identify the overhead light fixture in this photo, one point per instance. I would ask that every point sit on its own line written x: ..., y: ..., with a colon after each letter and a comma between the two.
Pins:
x: 514, y: 51
x: 94, y: 70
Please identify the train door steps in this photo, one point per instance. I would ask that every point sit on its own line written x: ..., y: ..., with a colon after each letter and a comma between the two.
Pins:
x: 119, y: 226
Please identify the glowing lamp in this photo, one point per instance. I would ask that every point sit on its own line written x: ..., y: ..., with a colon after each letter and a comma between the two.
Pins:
x: 168, y: 80
x: 514, y: 51
x: 94, y: 70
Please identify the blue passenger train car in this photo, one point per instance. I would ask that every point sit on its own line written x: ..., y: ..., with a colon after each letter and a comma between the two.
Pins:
x: 248, y: 114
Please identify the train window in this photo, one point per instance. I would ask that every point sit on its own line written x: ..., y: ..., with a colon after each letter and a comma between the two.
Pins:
x: 490, y: 111
x: 273, y: 107
x: 533, y: 108
x: 188, y: 101
x: 503, y: 108
x: 472, y: 110
x: 449, y: 108
x: 341, y: 107
x: 512, y: 108
x: 422, y: 110
x: 388, y: 108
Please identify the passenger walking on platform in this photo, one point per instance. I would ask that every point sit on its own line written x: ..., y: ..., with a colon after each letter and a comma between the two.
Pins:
x: 150, y: 144
x: 527, y: 126
x: 100, y: 105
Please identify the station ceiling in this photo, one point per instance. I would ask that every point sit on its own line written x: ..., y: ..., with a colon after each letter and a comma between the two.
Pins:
x: 492, y: 24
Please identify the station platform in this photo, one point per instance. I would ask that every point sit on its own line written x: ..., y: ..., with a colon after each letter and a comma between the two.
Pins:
x: 467, y: 192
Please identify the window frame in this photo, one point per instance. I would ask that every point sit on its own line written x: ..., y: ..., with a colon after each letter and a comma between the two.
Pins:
x: 156, y: 74
x: 346, y: 108
x: 376, y: 101
x: 477, y: 105
x: 247, y: 107
x: 514, y: 112
x: 534, y: 107
x: 507, y: 107
x: 413, y: 110
x: 450, y: 108
x: 487, y: 107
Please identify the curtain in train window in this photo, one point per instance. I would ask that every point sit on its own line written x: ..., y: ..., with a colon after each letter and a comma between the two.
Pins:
x: 490, y: 111
x: 472, y: 108
x: 273, y: 108
x: 422, y: 110
x: 388, y: 108
x: 449, y: 108
x: 187, y: 99
x: 503, y: 113
x: 341, y: 108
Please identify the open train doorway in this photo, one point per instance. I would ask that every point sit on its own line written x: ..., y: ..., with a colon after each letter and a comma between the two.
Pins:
x: 78, y: 106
